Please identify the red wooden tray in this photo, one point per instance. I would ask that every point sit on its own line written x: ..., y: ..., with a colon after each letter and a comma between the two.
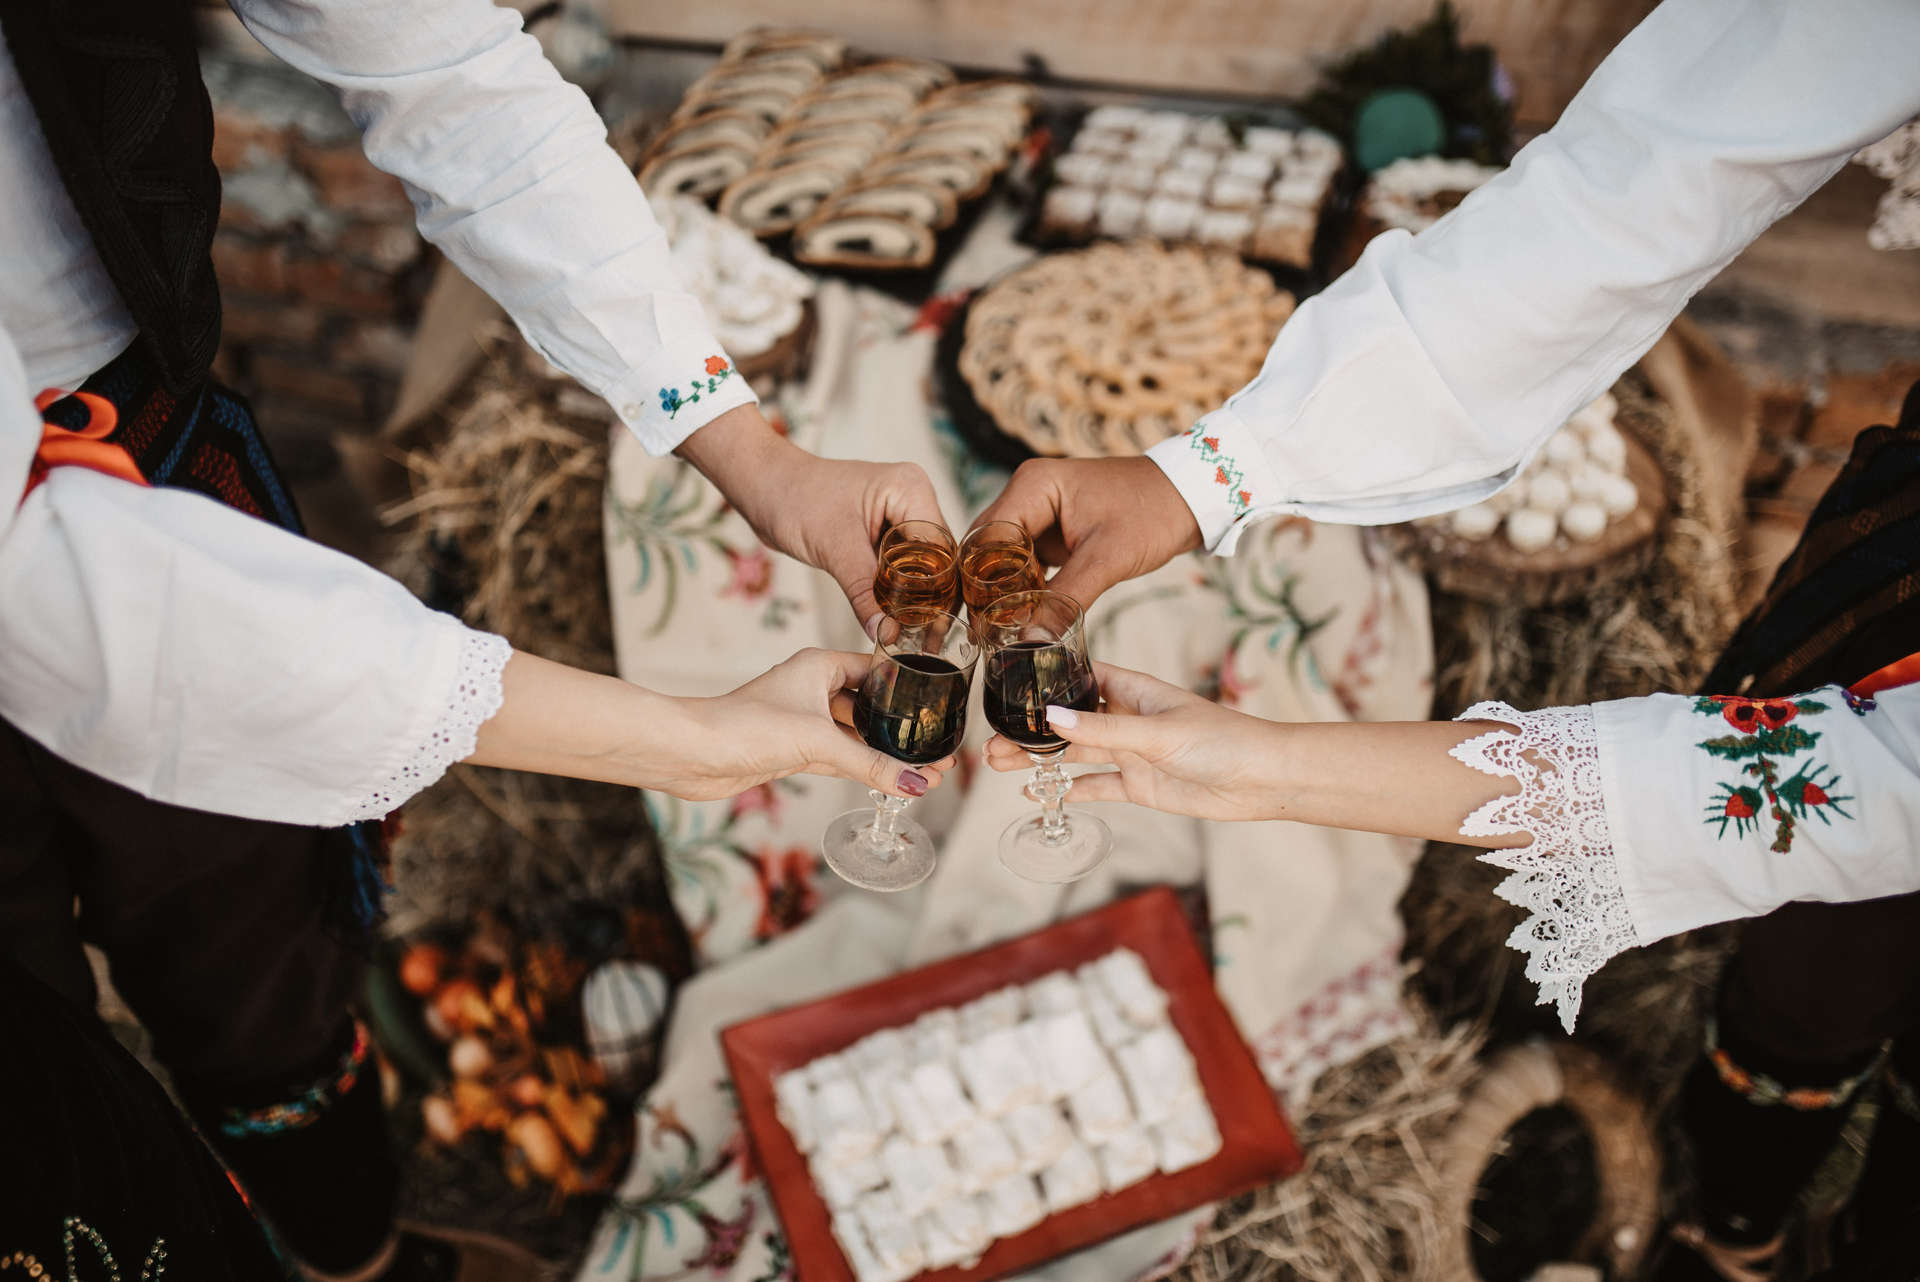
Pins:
x: 1257, y: 1147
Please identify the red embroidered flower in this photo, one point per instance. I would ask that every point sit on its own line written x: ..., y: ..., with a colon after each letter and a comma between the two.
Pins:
x: 761, y: 799
x: 1211, y: 442
x: 752, y: 574
x: 1220, y: 476
x: 716, y: 364
x: 1246, y: 497
x: 787, y: 893
x: 1232, y: 687
x: 1749, y: 716
x: 1740, y: 804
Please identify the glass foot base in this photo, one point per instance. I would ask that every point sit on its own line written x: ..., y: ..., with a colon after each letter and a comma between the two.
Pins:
x: 1026, y: 851
x: 896, y: 863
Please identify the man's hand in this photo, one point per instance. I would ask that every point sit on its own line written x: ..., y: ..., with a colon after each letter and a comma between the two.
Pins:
x: 1102, y: 520
x: 829, y: 513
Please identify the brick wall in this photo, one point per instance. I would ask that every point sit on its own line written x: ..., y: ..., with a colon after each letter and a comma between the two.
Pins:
x: 320, y: 267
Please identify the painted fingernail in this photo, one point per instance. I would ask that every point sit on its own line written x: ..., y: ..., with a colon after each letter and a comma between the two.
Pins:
x: 913, y: 783
x: 1065, y: 718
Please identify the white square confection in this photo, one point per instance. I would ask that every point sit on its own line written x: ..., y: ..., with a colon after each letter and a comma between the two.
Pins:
x: 897, y: 1247
x: 841, y: 1186
x: 936, y: 1034
x: 1012, y: 1205
x: 844, y: 1124
x: 1054, y: 993
x: 1100, y: 1109
x: 1182, y: 184
x: 955, y: 1232
x: 1120, y: 213
x: 1147, y: 149
x: 884, y: 1049
x: 919, y: 1174
x: 1135, y: 176
x: 1082, y: 170
x: 1109, y: 1025
x: 1073, y: 1178
x: 1170, y: 217
x: 1300, y: 189
x: 1033, y: 1036
x: 984, y: 1154
x: 1115, y: 117
x: 1250, y: 165
x: 1128, y: 1158
x: 825, y: 1069
x: 1001, y: 1008
x: 1229, y: 192
x: 1188, y: 1138
x: 1074, y: 1057
x: 1159, y: 1074
x: 876, y: 1087
x: 1321, y: 167
x: 1268, y: 141
x: 1125, y: 977
x: 1197, y: 162
x: 940, y: 1094
x: 1110, y: 143
x: 1000, y: 1073
x: 915, y: 1121
x: 1038, y: 1134
x: 1171, y: 125
x: 1315, y: 143
x: 876, y: 1211
x: 1211, y: 131
x: 853, y: 1243
x: 1071, y: 205
x: 793, y: 1104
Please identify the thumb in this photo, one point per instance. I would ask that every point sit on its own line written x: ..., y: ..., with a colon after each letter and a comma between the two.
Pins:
x: 847, y: 757
x: 853, y: 567
x: 1139, y: 735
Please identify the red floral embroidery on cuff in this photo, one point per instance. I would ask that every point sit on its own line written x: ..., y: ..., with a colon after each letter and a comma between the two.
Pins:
x: 1226, y: 470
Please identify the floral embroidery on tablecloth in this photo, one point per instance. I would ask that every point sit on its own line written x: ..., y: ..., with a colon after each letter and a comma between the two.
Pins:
x: 718, y: 372
x: 1767, y: 735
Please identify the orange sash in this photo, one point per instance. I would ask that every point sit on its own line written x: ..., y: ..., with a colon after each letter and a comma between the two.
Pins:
x: 1901, y: 672
x: 86, y: 447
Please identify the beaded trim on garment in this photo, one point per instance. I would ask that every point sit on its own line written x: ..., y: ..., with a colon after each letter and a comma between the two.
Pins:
x: 1758, y: 1088
x: 305, y: 1108
x: 73, y: 1229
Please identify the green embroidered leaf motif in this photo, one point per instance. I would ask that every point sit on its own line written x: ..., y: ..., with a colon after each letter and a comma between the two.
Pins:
x: 1775, y: 743
x: 1705, y: 705
x: 1810, y: 706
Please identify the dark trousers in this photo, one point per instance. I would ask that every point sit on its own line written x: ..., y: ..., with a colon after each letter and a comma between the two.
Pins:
x: 218, y: 935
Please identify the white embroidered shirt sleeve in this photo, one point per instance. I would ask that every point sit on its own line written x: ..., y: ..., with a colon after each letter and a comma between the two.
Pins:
x: 1567, y: 880
x: 509, y: 172
x: 475, y: 696
x: 1423, y: 378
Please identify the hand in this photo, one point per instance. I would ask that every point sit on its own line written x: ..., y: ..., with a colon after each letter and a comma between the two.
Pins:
x: 829, y: 513
x: 1176, y: 751
x: 792, y: 719
x: 1102, y: 520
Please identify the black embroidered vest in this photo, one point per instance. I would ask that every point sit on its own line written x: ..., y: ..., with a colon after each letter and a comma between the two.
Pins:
x: 117, y: 89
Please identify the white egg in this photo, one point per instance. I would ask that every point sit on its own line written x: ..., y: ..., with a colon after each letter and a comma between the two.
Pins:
x: 1563, y: 449
x: 1604, y: 406
x: 1587, y: 480
x: 1606, y: 447
x: 1620, y: 497
x: 1508, y: 499
x: 1549, y: 492
x: 1584, y: 522
x: 1475, y: 522
x: 1530, y: 530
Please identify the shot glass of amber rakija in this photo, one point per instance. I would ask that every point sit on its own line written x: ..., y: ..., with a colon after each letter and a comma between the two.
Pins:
x: 996, y: 560
x: 919, y: 570
x: 913, y: 707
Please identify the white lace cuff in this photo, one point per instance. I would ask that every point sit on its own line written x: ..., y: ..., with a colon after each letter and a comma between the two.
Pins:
x: 476, y: 695
x: 1567, y: 880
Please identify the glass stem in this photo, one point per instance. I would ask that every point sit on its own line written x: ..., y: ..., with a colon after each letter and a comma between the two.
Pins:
x: 884, y: 835
x: 1049, y: 788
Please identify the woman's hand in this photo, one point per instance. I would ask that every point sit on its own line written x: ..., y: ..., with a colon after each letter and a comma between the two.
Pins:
x: 829, y: 513
x: 790, y: 720
x: 1175, y: 750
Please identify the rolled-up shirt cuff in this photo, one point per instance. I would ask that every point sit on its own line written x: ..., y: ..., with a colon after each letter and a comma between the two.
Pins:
x: 1222, y: 473
x: 678, y: 392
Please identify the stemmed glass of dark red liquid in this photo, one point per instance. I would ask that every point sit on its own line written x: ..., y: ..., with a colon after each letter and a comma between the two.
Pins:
x: 913, y: 703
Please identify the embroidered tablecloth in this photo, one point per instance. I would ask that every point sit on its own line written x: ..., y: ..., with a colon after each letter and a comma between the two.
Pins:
x: 1306, y: 622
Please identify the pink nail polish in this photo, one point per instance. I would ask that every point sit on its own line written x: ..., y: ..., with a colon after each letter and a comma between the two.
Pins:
x: 913, y: 783
x: 1065, y: 718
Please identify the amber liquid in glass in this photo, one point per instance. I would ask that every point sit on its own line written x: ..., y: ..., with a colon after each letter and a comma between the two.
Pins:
x: 991, y: 572
x: 916, y: 577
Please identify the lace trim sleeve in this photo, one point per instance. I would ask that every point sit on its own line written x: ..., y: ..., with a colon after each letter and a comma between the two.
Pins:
x: 476, y: 695
x: 1567, y: 880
